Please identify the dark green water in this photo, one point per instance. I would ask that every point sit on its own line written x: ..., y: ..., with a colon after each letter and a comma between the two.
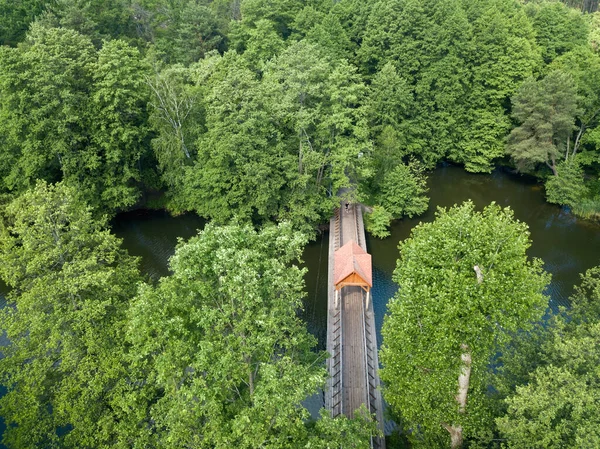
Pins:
x: 567, y: 245
x: 153, y: 235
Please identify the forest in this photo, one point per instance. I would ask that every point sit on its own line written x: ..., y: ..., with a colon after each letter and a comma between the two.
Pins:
x: 254, y: 114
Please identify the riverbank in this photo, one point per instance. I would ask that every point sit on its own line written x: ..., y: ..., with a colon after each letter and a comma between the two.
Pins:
x: 567, y: 244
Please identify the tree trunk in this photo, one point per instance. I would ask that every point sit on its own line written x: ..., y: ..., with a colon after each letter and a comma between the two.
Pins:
x: 300, y: 154
x: 552, y: 167
x: 248, y: 361
x: 182, y: 142
x: 478, y: 273
x: 590, y: 6
x: 456, y: 438
x: 236, y: 10
x: 251, y: 381
x: 464, y: 379
x: 579, y: 134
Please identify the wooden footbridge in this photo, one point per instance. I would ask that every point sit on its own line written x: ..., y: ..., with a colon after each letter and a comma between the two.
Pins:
x: 351, y: 336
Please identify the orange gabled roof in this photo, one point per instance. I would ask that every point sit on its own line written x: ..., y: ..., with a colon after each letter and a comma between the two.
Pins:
x: 349, y: 259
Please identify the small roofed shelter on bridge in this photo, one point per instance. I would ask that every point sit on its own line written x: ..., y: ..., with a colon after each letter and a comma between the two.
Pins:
x: 352, y: 267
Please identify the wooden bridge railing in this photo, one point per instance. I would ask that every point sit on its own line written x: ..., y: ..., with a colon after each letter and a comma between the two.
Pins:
x: 338, y: 398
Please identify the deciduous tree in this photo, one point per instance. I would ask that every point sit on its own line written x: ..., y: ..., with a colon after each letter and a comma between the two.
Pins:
x: 242, y: 164
x: 567, y: 187
x: 70, y: 283
x: 464, y: 282
x: 119, y: 130
x: 318, y: 101
x: 75, y: 114
x: 177, y: 115
x: 504, y: 53
x: 16, y: 17
x: 222, y: 357
x: 559, y: 405
x: 558, y: 28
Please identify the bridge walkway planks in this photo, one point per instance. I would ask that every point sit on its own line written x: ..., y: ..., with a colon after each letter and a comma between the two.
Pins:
x: 351, y: 336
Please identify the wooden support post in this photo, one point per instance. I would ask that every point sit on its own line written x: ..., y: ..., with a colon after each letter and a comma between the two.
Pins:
x: 368, y: 299
x: 335, y: 302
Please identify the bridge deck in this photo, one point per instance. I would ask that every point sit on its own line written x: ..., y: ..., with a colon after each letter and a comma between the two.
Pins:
x: 354, y: 388
x: 351, y: 334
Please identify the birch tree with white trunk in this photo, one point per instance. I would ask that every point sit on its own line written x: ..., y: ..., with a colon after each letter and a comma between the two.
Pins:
x: 175, y: 117
x: 464, y: 281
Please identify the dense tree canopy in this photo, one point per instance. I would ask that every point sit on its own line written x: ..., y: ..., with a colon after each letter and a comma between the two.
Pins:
x: 556, y: 404
x: 73, y: 113
x: 464, y: 282
x: 224, y: 359
x: 70, y: 282
x: 558, y: 28
x: 546, y: 111
x: 349, y: 89
x: 260, y: 112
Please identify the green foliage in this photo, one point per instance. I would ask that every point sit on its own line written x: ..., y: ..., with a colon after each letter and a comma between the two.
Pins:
x: 460, y: 62
x: 440, y: 309
x: 390, y: 98
x: 378, y: 222
x: 276, y: 147
x: 44, y: 86
x: 328, y: 432
x: 70, y: 283
x: 585, y: 302
x: 15, y: 17
x: 353, y: 15
x: 314, y: 97
x: 403, y: 191
x: 558, y: 29
x: 545, y: 111
x: 176, y: 115
x: 398, y: 190
x: 567, y: 187
x: 262, y: 43
x: 119, y: 131
x: 224, y: 359
x: 588, y: 208
x: 558, y: 406
x: 263, y: 28
x: 198, y: 32
x: 331, y: 36
x: 584, y: 66
x: 98, y: 19
x: 240, y: 167
x: 389, y: 102
x: 594, y: 34
x: 279, y: 12
x: 504, y: 55
x: 182, y: 31
x: 72, y: 113
x: 319, y: 99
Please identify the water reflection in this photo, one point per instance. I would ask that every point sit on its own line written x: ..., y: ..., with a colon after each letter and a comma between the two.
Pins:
x: 568, y: 246
x: 153, y: 235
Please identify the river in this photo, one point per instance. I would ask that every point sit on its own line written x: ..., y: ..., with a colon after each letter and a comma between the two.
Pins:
x: 567, y: 245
